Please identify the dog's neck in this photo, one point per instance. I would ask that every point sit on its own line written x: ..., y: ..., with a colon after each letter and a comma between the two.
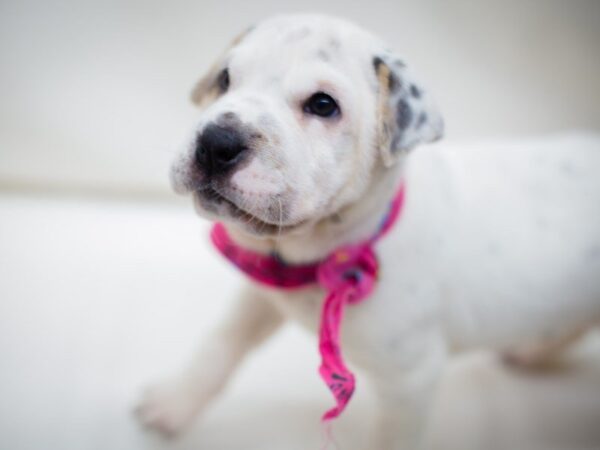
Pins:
x: 351, y: 224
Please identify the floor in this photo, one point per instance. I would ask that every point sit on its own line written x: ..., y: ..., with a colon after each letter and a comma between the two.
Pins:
x: 100, y: 297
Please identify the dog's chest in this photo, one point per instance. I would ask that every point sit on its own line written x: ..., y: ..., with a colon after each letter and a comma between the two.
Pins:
x: 380, y: 324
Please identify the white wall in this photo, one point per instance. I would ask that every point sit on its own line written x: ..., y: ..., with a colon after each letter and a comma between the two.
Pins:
x: 94, y: 95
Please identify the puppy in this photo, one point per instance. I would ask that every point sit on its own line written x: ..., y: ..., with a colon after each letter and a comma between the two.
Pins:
x: 307, y: 127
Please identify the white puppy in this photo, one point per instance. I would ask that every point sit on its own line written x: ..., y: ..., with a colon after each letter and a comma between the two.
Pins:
x: 306, y: 129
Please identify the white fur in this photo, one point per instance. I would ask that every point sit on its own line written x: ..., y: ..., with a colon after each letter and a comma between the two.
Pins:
x: 497, y: 248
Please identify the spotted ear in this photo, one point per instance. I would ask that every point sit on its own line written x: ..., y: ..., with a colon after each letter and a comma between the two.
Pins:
x: 210, y: 85
x: 406, y: 114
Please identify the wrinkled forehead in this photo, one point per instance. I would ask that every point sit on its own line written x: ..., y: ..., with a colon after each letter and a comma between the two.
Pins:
x: 293, y: 51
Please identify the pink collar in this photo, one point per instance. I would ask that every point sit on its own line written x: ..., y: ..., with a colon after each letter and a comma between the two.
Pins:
x: 348, y: 275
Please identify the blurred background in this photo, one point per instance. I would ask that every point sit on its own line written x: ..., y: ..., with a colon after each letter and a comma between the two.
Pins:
x: 106, y: 279
x: 95, y: 94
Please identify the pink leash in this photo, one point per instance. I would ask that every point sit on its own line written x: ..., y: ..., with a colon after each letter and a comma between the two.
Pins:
x: 348, y: 275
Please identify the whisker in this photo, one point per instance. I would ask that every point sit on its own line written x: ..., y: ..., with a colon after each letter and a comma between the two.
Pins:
x: 280, y: 224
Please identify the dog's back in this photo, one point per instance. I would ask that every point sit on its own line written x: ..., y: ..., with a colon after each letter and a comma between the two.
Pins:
x: 526, y: 253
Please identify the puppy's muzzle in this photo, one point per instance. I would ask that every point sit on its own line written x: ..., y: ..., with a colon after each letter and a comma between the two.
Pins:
x: 219, y: 149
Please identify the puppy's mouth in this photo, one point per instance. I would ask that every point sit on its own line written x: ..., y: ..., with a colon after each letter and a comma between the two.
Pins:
x: 213, y: 199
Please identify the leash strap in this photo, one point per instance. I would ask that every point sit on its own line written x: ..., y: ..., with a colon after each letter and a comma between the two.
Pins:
x: 348, y: 275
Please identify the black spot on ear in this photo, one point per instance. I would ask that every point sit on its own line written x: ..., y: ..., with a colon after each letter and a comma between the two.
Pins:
x: 415, y: 91
x: 404, y: 114
x: 377, y: 61
x: 393, y: 82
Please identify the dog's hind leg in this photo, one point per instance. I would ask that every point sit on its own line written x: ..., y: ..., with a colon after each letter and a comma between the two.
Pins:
x: 172, y: 405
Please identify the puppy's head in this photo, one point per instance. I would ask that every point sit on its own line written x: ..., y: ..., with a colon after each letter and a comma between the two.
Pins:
x: 297, y: 119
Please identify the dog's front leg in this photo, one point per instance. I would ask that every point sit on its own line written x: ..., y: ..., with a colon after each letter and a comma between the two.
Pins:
x: 170, y: 406
x: 405, y: 389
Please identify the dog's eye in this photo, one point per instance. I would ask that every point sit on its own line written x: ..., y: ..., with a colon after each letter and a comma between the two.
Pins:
x: 223, y: 80
x: 321, y: 104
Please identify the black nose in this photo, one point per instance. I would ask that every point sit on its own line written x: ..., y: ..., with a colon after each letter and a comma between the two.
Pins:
x: 218, y: 149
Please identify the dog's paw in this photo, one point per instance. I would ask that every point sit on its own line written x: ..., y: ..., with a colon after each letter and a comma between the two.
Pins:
x: 168, y: 408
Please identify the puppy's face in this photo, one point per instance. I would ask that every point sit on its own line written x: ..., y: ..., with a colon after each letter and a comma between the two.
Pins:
x: 295, y: 120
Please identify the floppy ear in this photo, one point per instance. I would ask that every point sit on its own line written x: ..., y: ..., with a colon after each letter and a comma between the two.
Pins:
x: 406, y: 115
x: 211, y: 85
x: 207, y: 88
